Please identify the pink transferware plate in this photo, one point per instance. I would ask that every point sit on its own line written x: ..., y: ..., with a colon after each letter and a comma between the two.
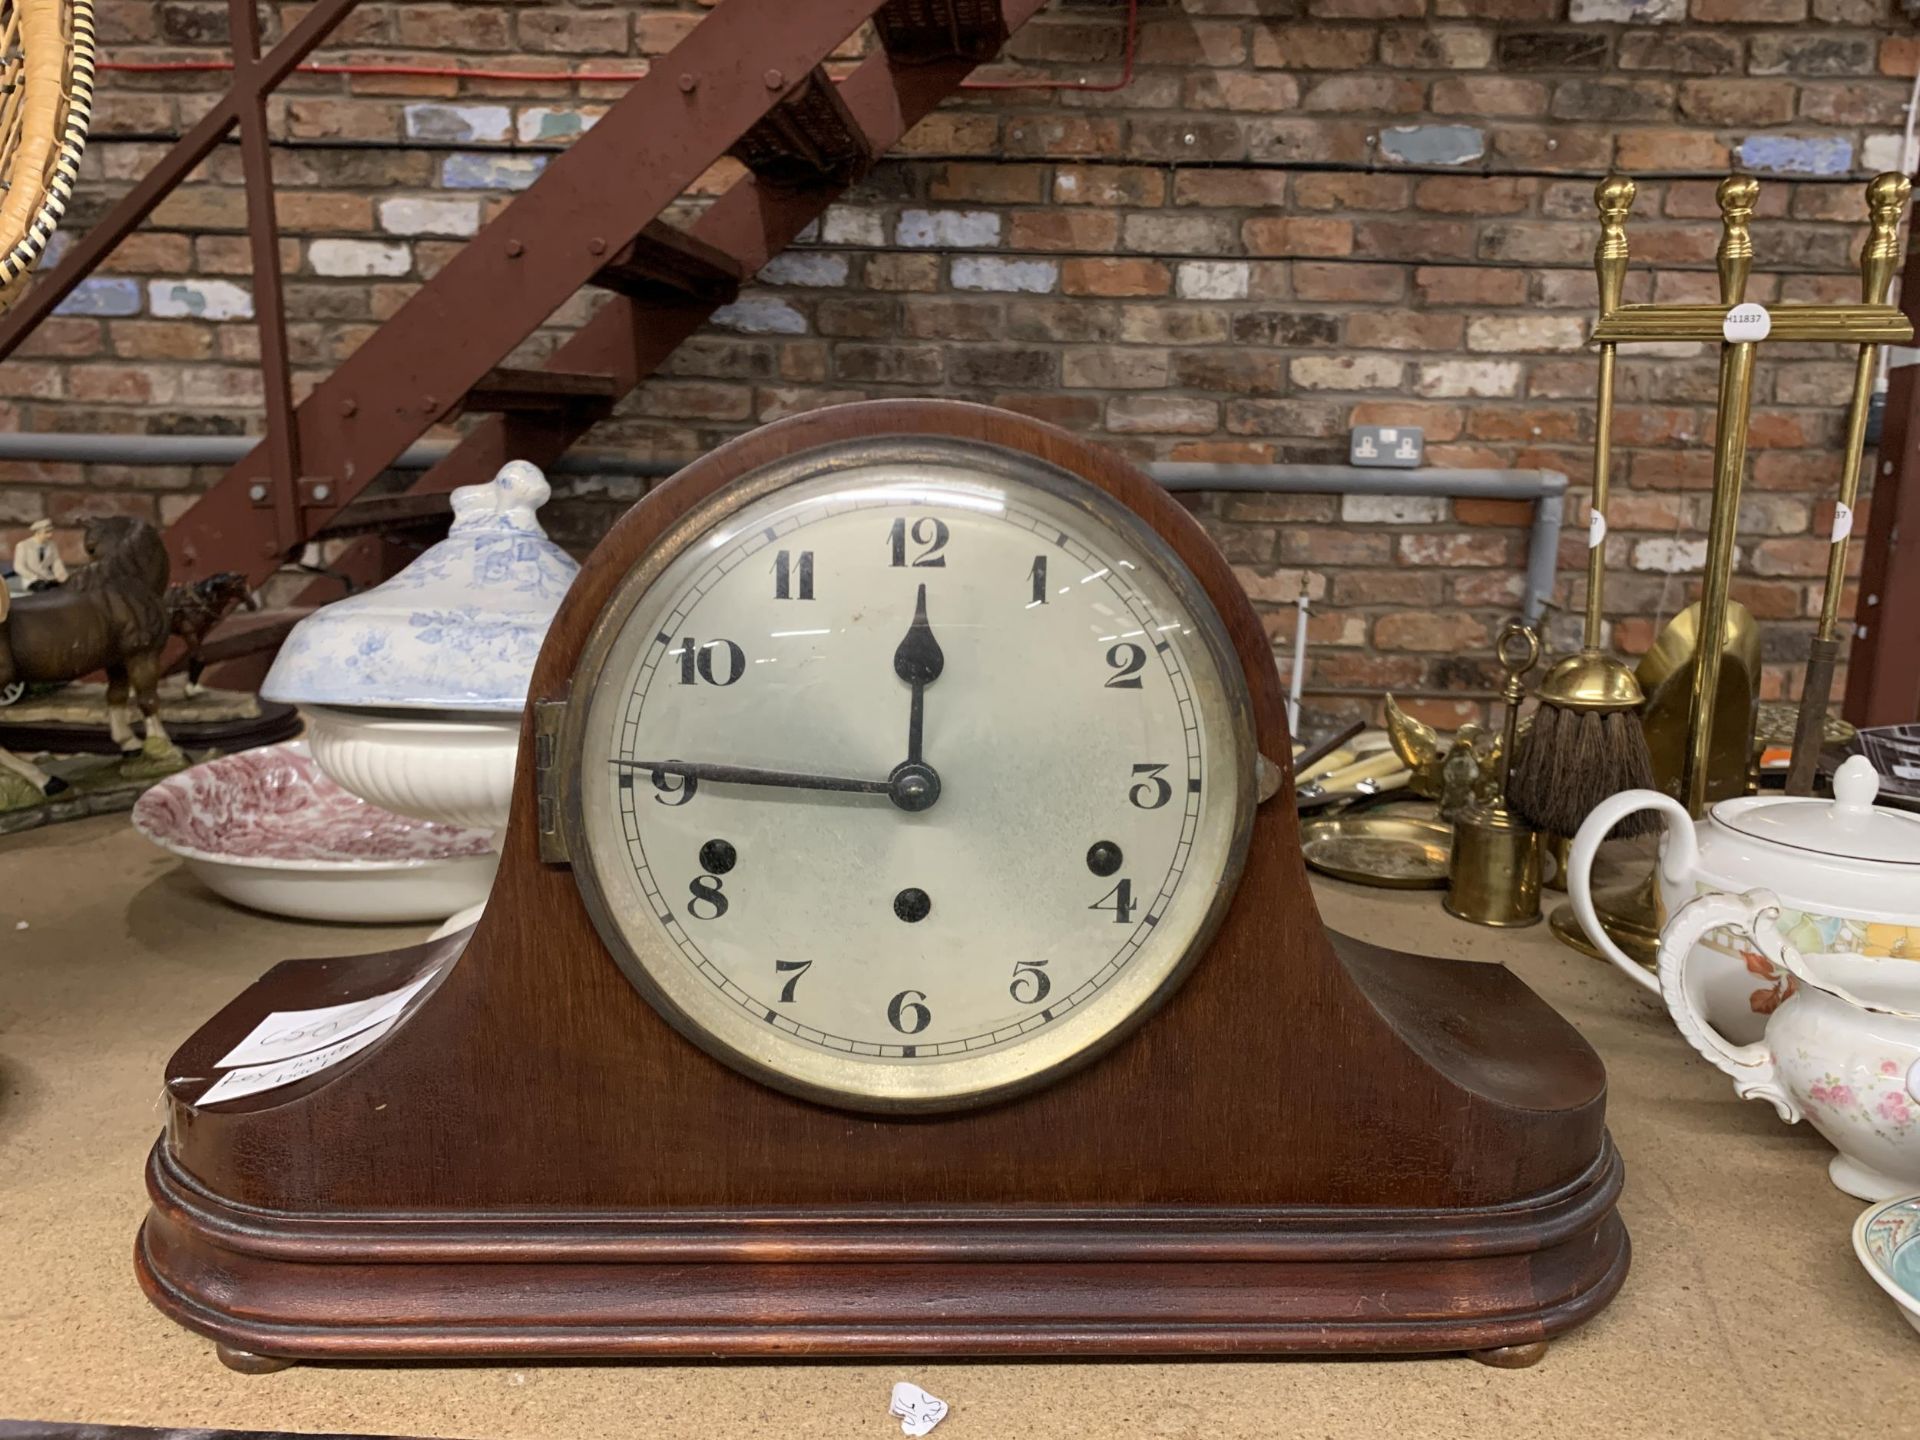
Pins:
x: 268, y: 829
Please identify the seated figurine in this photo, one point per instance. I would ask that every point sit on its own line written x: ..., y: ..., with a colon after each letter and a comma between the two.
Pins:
x: 37, y: 561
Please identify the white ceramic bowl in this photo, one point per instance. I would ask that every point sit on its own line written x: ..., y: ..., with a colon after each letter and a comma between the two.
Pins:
x: 1887, y: 1240
x: 267, y: 829
x: 456, y: 769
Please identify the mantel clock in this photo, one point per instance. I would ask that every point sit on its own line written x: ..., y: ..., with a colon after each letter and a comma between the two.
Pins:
x: 901, y: 945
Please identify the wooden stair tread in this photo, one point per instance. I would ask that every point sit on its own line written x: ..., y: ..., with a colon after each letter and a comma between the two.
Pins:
x: 808, y: 137
x: 917, y: 31
x: 380, y: 514
x: 508, y: 388
x: 592, y: 219
x: 664, y: 263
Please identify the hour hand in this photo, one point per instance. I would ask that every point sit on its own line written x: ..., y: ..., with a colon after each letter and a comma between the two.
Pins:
x: 919, y: 658
x: 918, y: 661
x: 693, y: 771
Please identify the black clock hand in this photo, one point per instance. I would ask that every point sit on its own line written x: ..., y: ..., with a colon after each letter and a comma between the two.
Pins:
x: 918, y: 661
x: 913, y: 785
x: 754, y: 775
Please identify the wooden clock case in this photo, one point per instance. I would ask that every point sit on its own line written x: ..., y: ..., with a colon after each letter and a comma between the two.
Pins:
x: 1315, y: 1145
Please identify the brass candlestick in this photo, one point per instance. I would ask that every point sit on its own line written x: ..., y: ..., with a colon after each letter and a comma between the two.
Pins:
x: 1741, y: 329
x: 1886, y: 199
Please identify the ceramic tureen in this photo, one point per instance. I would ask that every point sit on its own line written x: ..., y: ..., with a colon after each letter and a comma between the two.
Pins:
x: 1825, y: 896
x: 413, y: 690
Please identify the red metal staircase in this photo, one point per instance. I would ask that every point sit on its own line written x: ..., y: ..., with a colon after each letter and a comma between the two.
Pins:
x: 748, y: 80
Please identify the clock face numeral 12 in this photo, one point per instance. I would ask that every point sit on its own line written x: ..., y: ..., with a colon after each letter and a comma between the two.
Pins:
x: 928, y: 531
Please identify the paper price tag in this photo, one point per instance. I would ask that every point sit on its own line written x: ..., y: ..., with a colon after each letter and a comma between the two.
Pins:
x: 1842, y: 523
x: 1746, y: 323
x: 919, y: 1412
x: 1596, y: 530
x: 255, y: 1078
x: 286, y: 1033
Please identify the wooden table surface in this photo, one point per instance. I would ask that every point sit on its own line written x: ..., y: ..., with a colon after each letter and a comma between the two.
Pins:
x: 1746, y: 1314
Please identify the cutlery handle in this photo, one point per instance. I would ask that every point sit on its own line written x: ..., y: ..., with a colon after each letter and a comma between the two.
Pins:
x: 1371, y: 768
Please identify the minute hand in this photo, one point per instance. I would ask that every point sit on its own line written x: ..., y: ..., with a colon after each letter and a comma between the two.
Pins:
x: 753, y: 775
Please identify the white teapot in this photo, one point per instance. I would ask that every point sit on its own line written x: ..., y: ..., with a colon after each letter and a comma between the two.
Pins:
x: 1825, y: 895
x: 1847, y: 875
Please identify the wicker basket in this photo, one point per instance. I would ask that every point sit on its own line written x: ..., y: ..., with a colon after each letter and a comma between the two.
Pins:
x: 46, y: 104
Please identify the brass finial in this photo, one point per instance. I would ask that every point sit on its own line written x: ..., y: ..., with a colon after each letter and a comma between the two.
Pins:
x: 1886, y: 201
x: 1737, y: 195
x: 1614, y: 198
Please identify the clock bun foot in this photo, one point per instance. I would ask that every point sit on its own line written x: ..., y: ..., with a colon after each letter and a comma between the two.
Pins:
x: 245, y: 1362
x: 1512, y: 1357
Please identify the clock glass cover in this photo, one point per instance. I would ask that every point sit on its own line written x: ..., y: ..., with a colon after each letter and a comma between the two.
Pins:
x: 907, y: 773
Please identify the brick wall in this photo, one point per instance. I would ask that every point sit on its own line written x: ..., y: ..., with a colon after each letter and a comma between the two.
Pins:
x: 1301, y: 215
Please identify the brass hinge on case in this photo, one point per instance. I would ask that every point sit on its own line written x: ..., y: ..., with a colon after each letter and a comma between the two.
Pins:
x: 548, y: 782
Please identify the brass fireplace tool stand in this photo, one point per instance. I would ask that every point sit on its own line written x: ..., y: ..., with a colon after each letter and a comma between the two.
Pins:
x: 1633, y: 916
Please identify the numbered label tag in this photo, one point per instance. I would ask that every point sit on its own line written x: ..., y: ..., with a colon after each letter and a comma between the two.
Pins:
x: 1596, y: 530
x: 252, y: 1079
x: 1746, y: 323
x: 1842, y: 522
x: 919, y: 1412
x: 287, y: 1033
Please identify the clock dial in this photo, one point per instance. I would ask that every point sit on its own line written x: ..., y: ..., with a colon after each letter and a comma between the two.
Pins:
x: 908, y: 778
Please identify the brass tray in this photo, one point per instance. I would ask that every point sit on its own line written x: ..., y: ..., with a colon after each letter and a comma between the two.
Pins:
x: 1390, y: 852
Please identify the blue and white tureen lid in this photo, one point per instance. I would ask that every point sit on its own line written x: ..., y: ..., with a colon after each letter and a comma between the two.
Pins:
x: 458, y: 629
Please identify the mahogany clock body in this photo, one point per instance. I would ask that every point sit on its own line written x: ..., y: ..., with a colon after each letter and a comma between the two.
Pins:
x: 1315, y: 1145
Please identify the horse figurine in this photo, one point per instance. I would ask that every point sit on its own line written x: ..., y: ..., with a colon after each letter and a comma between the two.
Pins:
x: 112, y: 616
x: 194, y: 609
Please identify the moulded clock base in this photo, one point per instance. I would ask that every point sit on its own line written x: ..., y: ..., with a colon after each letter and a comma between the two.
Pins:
x: 1496, y: 1281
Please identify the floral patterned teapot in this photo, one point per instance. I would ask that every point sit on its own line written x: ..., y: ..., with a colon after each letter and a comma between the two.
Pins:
x: 1827, y: 894
x: 1847, y: 874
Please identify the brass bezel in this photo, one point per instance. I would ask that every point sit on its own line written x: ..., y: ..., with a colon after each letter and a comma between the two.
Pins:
x: 1005, y: 1074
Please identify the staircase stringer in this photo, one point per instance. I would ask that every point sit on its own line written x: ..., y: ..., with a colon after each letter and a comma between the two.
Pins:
x: 539, y: 251
x: 753, y: 221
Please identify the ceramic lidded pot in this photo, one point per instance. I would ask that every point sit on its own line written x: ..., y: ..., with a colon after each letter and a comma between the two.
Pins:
x: 1844, y: 1059
x: 1846, y: 873
x: 413, y: 690
x: 1826, y: 894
